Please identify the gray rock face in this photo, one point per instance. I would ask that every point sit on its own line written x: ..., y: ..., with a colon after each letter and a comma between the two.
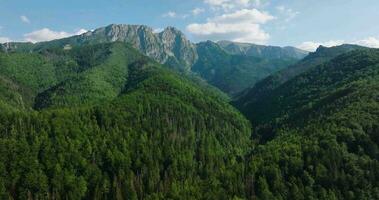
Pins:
x: 176, y: 44
x: 140, y: 37
x: 169, y: 46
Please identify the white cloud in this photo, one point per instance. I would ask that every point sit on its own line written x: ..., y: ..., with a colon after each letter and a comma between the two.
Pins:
x: 46, y: 34
x: 245, y: 15
x: 281, y: 8
x: 236, y: 32
x: 4, y: 39
x: 257, y: 3
x: 80, y: 31
x: 170, y: 14
x: 233, y: 4
x: 158, y: 30
x: 25, y: 19
x: 197, y: 11
x: 242, y: 26
x: 369, y: 42
x: 228, y: 4
x: 312, y: 46
x: 287, y: 13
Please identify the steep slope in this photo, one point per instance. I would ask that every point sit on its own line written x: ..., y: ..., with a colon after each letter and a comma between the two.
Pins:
x: 101, y: 81
x: 123, y: 127
x: 101, y: 76
x: 233, y: 73
x: 313, y: 88
x: 32, y: 73
x: 267, y: 85
x: 32, y: 70
x: 24, y: 75
x: 261, y: 51
x: 14, y: 96
x: 319, y: 133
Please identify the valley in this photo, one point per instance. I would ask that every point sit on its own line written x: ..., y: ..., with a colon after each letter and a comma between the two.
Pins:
x: 125, y: 112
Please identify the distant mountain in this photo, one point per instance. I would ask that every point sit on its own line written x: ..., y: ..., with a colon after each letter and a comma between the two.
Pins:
x: 261, y: 51
x: 267, y: 85
x: 310, y: 89
x: 233, y: 73
x: 243, y: 65
x: 168, y: 47
x: 17, y: 47
x: 56, y: 77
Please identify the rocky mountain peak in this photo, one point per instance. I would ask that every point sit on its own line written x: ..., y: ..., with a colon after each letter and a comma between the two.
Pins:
x: 168, y: 47
x: 175, y: 42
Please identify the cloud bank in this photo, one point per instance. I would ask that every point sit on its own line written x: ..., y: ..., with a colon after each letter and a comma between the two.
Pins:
x: 371, y: 42
x: 46, y: 34
x: 25, y: 19
x: 4, y: 39
x: 241, y: 25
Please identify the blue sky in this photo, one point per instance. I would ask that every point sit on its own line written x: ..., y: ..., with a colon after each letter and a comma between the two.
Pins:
x: 302, y: 23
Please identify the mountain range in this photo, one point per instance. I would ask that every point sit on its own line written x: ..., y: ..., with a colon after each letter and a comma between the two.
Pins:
x: 269, y: 52
x: 171, y: 48
x: 123, y: 112
x: 268, y: 85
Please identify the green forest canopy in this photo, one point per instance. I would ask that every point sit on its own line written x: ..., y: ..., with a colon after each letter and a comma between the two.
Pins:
x: 105, y: 122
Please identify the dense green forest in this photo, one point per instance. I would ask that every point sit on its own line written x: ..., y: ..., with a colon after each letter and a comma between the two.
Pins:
x: 318, y: 132
x: 265, y: 86
x: 103, y: 121
x: 161, y: 140
x: 234, y: 73
x: 119, y: 127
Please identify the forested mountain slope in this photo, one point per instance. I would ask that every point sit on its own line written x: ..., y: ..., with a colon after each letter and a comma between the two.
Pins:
x: 103, y: 120
x: 14, y: 96
x: 309, y: 90
x: 24, y: 75
x: 267, y: 85
x: 121, y: 126
x: 86, y: 73
x: 234, y: 73
x: 101, y: 80
x: 35, y: 73
x: 171, y: 48
x: 319, y: 133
